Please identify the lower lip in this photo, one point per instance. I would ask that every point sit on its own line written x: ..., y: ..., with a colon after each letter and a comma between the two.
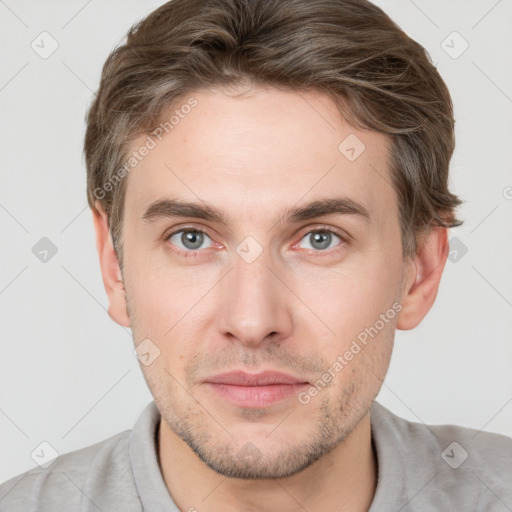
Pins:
x: 256, y: 396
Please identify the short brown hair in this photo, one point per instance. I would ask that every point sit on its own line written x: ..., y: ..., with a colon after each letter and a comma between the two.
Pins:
x: 351, y: 50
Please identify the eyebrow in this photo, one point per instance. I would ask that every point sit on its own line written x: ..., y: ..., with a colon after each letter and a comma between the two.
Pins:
x: 170, y: 208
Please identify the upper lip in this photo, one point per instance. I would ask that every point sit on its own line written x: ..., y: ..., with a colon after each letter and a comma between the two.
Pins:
x: 266, y: 378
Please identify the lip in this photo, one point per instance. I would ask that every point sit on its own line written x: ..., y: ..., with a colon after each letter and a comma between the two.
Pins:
x: 255, y: 390
x: 266, y: 378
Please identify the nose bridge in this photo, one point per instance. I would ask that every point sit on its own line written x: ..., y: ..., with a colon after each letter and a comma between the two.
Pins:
x: 253, y: 300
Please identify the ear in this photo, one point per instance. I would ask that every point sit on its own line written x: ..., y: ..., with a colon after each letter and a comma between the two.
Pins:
x: 110, y: 269
x: 422, y: 278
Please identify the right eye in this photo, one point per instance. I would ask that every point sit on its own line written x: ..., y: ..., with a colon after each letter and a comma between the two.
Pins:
x: 189, y: 239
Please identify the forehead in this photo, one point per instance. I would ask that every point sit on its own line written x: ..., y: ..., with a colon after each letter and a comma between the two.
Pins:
x: 258, y: 152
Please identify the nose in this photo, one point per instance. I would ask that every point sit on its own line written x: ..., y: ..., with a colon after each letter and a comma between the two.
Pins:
x: 255, y: 304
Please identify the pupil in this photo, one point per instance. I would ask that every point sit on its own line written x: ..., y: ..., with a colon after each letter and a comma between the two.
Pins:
x: 192, y: 239
x: 322, y: 240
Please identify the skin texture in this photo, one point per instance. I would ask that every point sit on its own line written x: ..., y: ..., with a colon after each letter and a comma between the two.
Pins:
x: 295, y: 308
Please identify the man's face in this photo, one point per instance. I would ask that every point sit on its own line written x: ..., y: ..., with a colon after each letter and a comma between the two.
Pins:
x: 259, y: 289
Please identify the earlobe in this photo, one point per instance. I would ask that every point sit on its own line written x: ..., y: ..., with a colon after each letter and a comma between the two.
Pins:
x: 423, y: 278
x: 110, y: 269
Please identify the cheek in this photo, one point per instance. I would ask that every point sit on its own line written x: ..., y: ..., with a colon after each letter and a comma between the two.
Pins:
x: 359, y: 305
x: 162, y: 294
x: 349, y: 298
x: 171, y: 309
x: 361, y: 364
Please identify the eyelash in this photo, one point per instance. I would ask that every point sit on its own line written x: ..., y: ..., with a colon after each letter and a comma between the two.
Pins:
x: 321, y: 229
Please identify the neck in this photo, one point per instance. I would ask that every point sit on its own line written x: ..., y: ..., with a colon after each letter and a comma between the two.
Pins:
x: 344, y: 479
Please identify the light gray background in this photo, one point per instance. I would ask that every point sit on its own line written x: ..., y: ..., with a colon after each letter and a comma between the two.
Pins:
x: 68, y: 374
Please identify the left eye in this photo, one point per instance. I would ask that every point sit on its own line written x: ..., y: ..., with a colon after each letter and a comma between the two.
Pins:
x: 190, y: 239
x: 321, y: 240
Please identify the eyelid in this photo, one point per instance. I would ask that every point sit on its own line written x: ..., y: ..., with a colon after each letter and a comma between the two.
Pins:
x: 176, y: 229
x: 326, y: 228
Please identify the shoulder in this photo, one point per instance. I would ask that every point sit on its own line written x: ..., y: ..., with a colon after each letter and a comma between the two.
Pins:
x: 446, y: 464
x: 453, y: 444
x: 75, y: 479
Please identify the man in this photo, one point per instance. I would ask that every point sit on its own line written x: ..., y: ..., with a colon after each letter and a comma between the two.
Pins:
x: 268, y: 181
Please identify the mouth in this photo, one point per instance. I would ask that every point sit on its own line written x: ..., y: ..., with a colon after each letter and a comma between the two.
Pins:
x: 255, y: 390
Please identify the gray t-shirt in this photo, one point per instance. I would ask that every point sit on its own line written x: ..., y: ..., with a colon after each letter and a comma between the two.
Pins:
x: 420, y: 467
